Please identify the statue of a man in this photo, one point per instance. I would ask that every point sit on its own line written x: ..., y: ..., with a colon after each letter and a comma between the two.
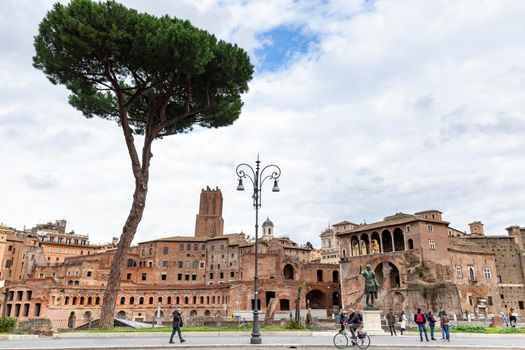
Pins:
x: 371, y: 285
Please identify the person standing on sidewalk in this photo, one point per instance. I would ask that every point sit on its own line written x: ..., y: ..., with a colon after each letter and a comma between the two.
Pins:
x: 420, y: 320
x: 431, y: 323
x: 444, y: 325
x: 391, y: 322
x: 177, y: 324
x: 403, y: 321
x: 512, y: 318
x: 440, y: 313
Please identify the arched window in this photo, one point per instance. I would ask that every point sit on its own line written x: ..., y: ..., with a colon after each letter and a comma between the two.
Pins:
x: 410, y: 244
x: 81, y: 300
x: 213, y: 299
x: 66, y: 301
x: 186, y: 300
x: 169, y: 300
x: 319, y: 275
x: 208, y: 299
x: 194, y: 300
x: 202, y: 300
x: 122, y: 300
x: 76, y: 283
x: 141, y: 300
x: 335, y: 276
x: 160, y: 300
x: 70, y: 283
x: 131, y: 300
x: 90, y: 300
x: 97, y: 301
x: 177, y: 300
x: 74, y: 302
x: 288, y: 272
x: 150, y: 300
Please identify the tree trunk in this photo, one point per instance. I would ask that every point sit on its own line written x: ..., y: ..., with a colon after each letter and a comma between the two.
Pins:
x: 119, y: 259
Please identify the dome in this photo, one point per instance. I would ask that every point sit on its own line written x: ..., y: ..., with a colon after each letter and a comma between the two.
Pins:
x: 268, y: 222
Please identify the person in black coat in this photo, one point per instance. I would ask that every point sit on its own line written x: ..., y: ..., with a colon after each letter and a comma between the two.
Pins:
x: 177, y: 324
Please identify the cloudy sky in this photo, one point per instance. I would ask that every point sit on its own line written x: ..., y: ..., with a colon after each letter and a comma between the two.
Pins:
x: 369, y: 108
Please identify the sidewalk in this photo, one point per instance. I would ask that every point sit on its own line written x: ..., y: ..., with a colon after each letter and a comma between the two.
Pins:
x: 321, y: 340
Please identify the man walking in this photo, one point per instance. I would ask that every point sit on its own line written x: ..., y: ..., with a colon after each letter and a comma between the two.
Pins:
x: 431, y: 323
x: 177, y: 324
x: 420, y: 320
x: 391, y: 321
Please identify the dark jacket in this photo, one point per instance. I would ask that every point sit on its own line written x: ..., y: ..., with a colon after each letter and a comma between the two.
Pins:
x: 424, y: 318
x: 390, y: 319
x: 355, y: 318
x: 431, y: 320
x: 177, y: 321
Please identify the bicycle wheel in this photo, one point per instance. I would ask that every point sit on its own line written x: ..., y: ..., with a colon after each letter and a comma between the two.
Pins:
x: 363, y: 343
x: 340, y: 340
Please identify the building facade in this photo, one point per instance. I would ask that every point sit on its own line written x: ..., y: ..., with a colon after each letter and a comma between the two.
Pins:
x: 420, y: 261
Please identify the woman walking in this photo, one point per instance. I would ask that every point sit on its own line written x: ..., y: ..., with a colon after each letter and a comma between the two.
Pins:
x: 177, y: 324
x: 403, y: 321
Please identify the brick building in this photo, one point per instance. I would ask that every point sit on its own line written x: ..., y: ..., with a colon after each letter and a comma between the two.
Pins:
x: 208, y: 274
x: 420, y: 261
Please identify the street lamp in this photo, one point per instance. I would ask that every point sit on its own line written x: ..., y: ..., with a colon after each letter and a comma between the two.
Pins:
x: 257, y: 178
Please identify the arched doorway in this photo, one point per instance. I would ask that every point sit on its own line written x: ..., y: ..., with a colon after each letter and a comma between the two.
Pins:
x: 193, y: 313
x: 365, y: 245
x: 316, y: 299
x: 336, y: 300
x: 87, y: 316
x: 121, y: 314
x: 399, y: 240
x: 375, y: 244
x: 394, y: 280
x: 354, y: 246
x: 386, y: 237
x: 288, y: 272
x: 207, y: 313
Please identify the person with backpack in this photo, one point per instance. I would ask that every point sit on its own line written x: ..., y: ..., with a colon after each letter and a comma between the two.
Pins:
x: 177, y: 324
x: 391, y: 322
x: 431, y: 323
x: 403, y: 321
x: 444, y: 322
x: 354, y: 322
x: 420, y: 320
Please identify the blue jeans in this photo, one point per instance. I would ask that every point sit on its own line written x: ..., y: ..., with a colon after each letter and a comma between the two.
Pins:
x: 175, y: 330
x: 422, y: 329
x: 432, y: 326
x: 446, y: 331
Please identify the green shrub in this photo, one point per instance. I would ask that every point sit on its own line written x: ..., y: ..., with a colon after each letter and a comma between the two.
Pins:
x: 461, y: 328
x: 7, y: 324
x: 508, y: 330
x: 294, y: 324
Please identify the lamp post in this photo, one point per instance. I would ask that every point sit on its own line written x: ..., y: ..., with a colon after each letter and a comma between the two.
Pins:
x: 257, y: 177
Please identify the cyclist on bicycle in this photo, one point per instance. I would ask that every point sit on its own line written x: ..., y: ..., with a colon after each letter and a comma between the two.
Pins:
x: 354, y: 322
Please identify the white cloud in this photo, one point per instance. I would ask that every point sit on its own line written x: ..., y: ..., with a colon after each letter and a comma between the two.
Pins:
x: 405, y: 106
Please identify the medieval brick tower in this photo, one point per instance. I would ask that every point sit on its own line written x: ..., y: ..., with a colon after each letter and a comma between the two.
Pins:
x: 209, y: 221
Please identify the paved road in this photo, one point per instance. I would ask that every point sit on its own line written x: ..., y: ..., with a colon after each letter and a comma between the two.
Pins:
x: 197, y: 341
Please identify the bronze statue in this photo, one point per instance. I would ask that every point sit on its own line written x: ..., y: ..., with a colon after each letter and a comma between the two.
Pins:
x: 371, y: 285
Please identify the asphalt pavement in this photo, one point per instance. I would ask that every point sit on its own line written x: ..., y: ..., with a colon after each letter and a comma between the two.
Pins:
x: 197, y: 341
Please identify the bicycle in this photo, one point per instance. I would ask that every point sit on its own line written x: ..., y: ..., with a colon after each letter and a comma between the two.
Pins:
x: 341, y: 339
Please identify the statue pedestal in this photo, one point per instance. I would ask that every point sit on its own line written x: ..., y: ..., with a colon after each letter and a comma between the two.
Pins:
x: 372, y: 322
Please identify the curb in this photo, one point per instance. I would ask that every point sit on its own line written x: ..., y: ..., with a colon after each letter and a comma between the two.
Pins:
x: 190, y: 334
x: 270, y: 346
x: 18, y: 336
